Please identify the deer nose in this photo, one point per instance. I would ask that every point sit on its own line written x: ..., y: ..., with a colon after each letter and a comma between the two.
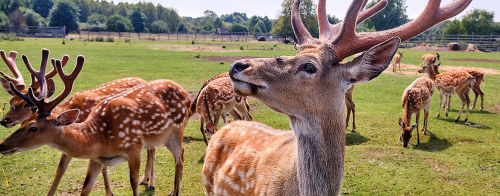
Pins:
x: 238, y: 66
x: 1, y: 147
x: 4, y: 122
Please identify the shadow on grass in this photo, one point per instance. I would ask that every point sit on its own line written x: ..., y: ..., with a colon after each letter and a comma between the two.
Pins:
x: 461, y: 122
x: 354, y: 138
x: 202, y: 159
x: 434, y: 144
x: 147, y: 192
x: 190, y: 139
x: 472, y: 111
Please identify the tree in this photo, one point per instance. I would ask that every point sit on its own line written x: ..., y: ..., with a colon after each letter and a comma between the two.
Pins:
x: 210, y: 13
x: 43, y: 7
x: 236, y: 27
x: 282, y: 26
x: 218, y: 23
x: 261, y: 26
x: 112, y: 24
x: 17, y: 18
x: 333, y: 19
x: 393, y: 15
x: 96, y: 19
x: 32, y: 18
x: 4, y: 19
x: 137, y: 19
x: 479, y: 22
x: 158, y: 27
x: 85, y: 11
x: 64, y: 13
x: 454, y: 27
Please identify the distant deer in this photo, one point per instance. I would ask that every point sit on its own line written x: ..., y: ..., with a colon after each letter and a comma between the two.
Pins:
x: 215, y: 100
x: 449, y: 83
x: 429, y: 58
x: 397, y: 60
x: 116, y: 130
x: 476, y: 88
x: 85, y: 101
x: 250, y: 158
x: 417, y: 96
x: 349, y: 102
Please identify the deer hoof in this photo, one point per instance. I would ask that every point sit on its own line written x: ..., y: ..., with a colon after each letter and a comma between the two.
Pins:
x: 437, y: 115
x: 151, y: 188
x: 352, y: 131
x: 466, y: 120
x: 458, y: 118
x: 481, y: 109
x: 446, y: 114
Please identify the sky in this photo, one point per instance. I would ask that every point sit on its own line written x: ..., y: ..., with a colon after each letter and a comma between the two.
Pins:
x: 272, y: 8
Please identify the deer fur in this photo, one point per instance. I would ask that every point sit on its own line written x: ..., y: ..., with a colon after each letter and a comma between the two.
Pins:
x: 476, y: 88
x: 429, y: 58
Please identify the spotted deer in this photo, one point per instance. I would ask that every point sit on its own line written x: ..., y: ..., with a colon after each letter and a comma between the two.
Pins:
x: 429, y: 58
x: 476, y: 88
x: 417, y: 96
x: 449, y: 83
x: 250, y: 158
x: 85, y: 101
x: 397, y: 60
x: 116, y: 130
x: 217, y: 99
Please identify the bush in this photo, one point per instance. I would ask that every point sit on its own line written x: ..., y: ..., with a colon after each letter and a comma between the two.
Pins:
x: 10, y: 37
x: 32, y: 18
x: 192, y: 42
x: 71, y: 39
x: 223, y: 46
x: 241, y: 48
x: 197, y: 56
x: 158, y: 27
x: 127, y: 40
x: 89, y: 40
x: 110, y: 39
x: 99, y: 39
x: 119, y: 23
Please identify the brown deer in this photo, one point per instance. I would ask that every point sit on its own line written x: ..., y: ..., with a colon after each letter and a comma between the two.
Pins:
x: 215, y: 100
x: 84, y: 101
x: 349, y: 102
x: 449, y: 83
x: 429, y: 58
x: 250, y: 158
x: 417, y: 96
x: 476, y: 88
x: 397, y: 60
x: 116, y: 130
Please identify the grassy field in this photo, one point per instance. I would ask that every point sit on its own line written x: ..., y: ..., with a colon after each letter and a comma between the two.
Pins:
x: 454, y: 159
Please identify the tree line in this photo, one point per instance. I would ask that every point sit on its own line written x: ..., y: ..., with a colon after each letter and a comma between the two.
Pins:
x: 101, y: 15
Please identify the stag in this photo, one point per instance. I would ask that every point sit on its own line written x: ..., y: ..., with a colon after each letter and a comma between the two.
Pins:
x: 249, y: 158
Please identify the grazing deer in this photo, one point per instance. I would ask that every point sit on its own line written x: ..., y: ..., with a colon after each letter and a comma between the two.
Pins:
x: 216, y: 99
x: 349, y: 102
x: 116, y: 130
x: 250, y: 158
x: 397, y: 60
x: 84, y: 101
x: 449, y: 83
x: 417, y: 96
x: 476, y: 88
x: 429, y: 58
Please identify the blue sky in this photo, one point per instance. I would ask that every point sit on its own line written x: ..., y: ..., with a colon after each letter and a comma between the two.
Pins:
x: 272, y: 8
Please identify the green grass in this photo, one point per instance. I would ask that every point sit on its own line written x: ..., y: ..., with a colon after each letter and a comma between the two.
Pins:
x: 454, y: 159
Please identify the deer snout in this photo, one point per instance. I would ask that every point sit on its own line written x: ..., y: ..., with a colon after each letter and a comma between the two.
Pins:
x: 4, y: 122
x: 237, y: 67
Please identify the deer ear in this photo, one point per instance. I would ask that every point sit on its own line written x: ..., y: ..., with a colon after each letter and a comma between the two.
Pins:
x: 401, y: 123
x: 67, y: 118
x: 414, y: 126
x: 373, y: 62
x: 6, y: 86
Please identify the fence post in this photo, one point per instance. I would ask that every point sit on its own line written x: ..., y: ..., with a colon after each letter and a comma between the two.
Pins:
x: 79, y: 35
x: 444, y: 41
x: 472, y: 38
x: 491, y: 39
x: 458, y: 38
x: 430, y: 38
x: 158, y: 36
x: 186, y: 36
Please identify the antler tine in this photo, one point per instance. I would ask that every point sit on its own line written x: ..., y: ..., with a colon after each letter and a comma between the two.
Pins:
x: 39, y: 75
x: 300, y: 31
x: 53, y: 72
x: 46, y: 108
x: 431, y: 15
x: 348, y: 29
x: 10, y: 61
x: 23, y: 96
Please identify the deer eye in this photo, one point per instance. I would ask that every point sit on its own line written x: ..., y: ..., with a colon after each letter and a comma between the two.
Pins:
x: 13, y: 108
x: 32, y: 129
x: 308, y: 67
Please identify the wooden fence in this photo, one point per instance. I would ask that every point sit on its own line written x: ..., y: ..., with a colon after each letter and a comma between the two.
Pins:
x: 235, y: 36
x: 34, y: 31
x: 483, y: 42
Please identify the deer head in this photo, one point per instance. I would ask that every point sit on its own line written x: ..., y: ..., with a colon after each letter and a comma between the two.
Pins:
x: 400, y: 54
x: 437, y: 56
x: 407, y: 132
x: 42, y: 124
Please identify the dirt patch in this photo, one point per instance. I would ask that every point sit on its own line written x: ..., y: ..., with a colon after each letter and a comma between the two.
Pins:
x: 442, y: 67
x: 476, y: 60
x: 229, y: 59
x: 433, y: 48
x: 191, y: 48
x: 403, y: 67
x: 457, y: 68
x: 437, y: 167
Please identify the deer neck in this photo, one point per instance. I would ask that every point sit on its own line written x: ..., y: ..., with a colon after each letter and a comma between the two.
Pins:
x: 431, y: 74
x: 321, y: 143
x: 79, y: 140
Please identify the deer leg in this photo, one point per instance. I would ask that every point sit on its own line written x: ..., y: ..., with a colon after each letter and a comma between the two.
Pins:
x: 347, y: 117
x: 92, y: 172
x: 417, y: 121
x: 223, y: 115
x: 244, y: 111
x: 107, y: 186
x: 481, y: 93
x: 353, y: 118
x: 235, y: 115
x: 475, y: 98
x: 464, y: 101
x: 147, y: 171
x: 61, y: 168
x: 394, y: 67
x: 151, y: 159
x: 174, y: 144
x: 440, y: 102
x: 445, y: 102
x: 467, y: 98
x: 202, y: 129
x: 449, y: 101
x: 426, y: 116
x: 399, y: 64
x: 216, y: 118
x: 134, y: 166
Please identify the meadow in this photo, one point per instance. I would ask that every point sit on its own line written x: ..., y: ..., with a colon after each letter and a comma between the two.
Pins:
x: 454, y: 159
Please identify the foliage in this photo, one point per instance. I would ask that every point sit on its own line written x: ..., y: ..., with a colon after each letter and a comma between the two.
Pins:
x: 17, y: 18
x: 364, y: 29
x: 119, y: 23
x: 282, y: 26
x: 92, y: 27
x: 210, y: 13
x: 96, y: 19
x: 137, y: 18
x: 4, y: 19
x: 477, y: 21
x: 158, y: 27
x: 10, y: 37
x: 235, y: 17
x: 393, y: 15
x: 43, y: 7
x: 261, y: 26
x: 99, y: 39
x: 64, y: 13
x: 238, y: 28
x: 110, y: 39
x: 32, y: 18
x: 333, y: 19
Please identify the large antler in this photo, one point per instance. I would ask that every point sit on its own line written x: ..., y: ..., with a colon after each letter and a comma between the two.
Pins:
x: 347, y: 42
x: 34, y: 82
x: 18, y: 81
x: 39, y: 75
x: 44, y: 109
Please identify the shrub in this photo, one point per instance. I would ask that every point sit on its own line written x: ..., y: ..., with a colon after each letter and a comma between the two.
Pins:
x: 110, y: 39
x: 127, y: 40
x: 192, y: 42
x: 99, y: 39
x: 241, y: 48
x: 71, y: 39
x: 158, y: 27
x: 197, y: 56
x: 223, y: 46
x: 119, y: 23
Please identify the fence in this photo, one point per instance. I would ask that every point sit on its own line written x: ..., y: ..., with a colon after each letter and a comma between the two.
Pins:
x: 483, y: 42
x: 34, y: 31
x: 234, y: 36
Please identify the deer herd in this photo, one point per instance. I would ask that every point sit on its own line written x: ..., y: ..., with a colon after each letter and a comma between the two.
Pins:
x: 113, y: 122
